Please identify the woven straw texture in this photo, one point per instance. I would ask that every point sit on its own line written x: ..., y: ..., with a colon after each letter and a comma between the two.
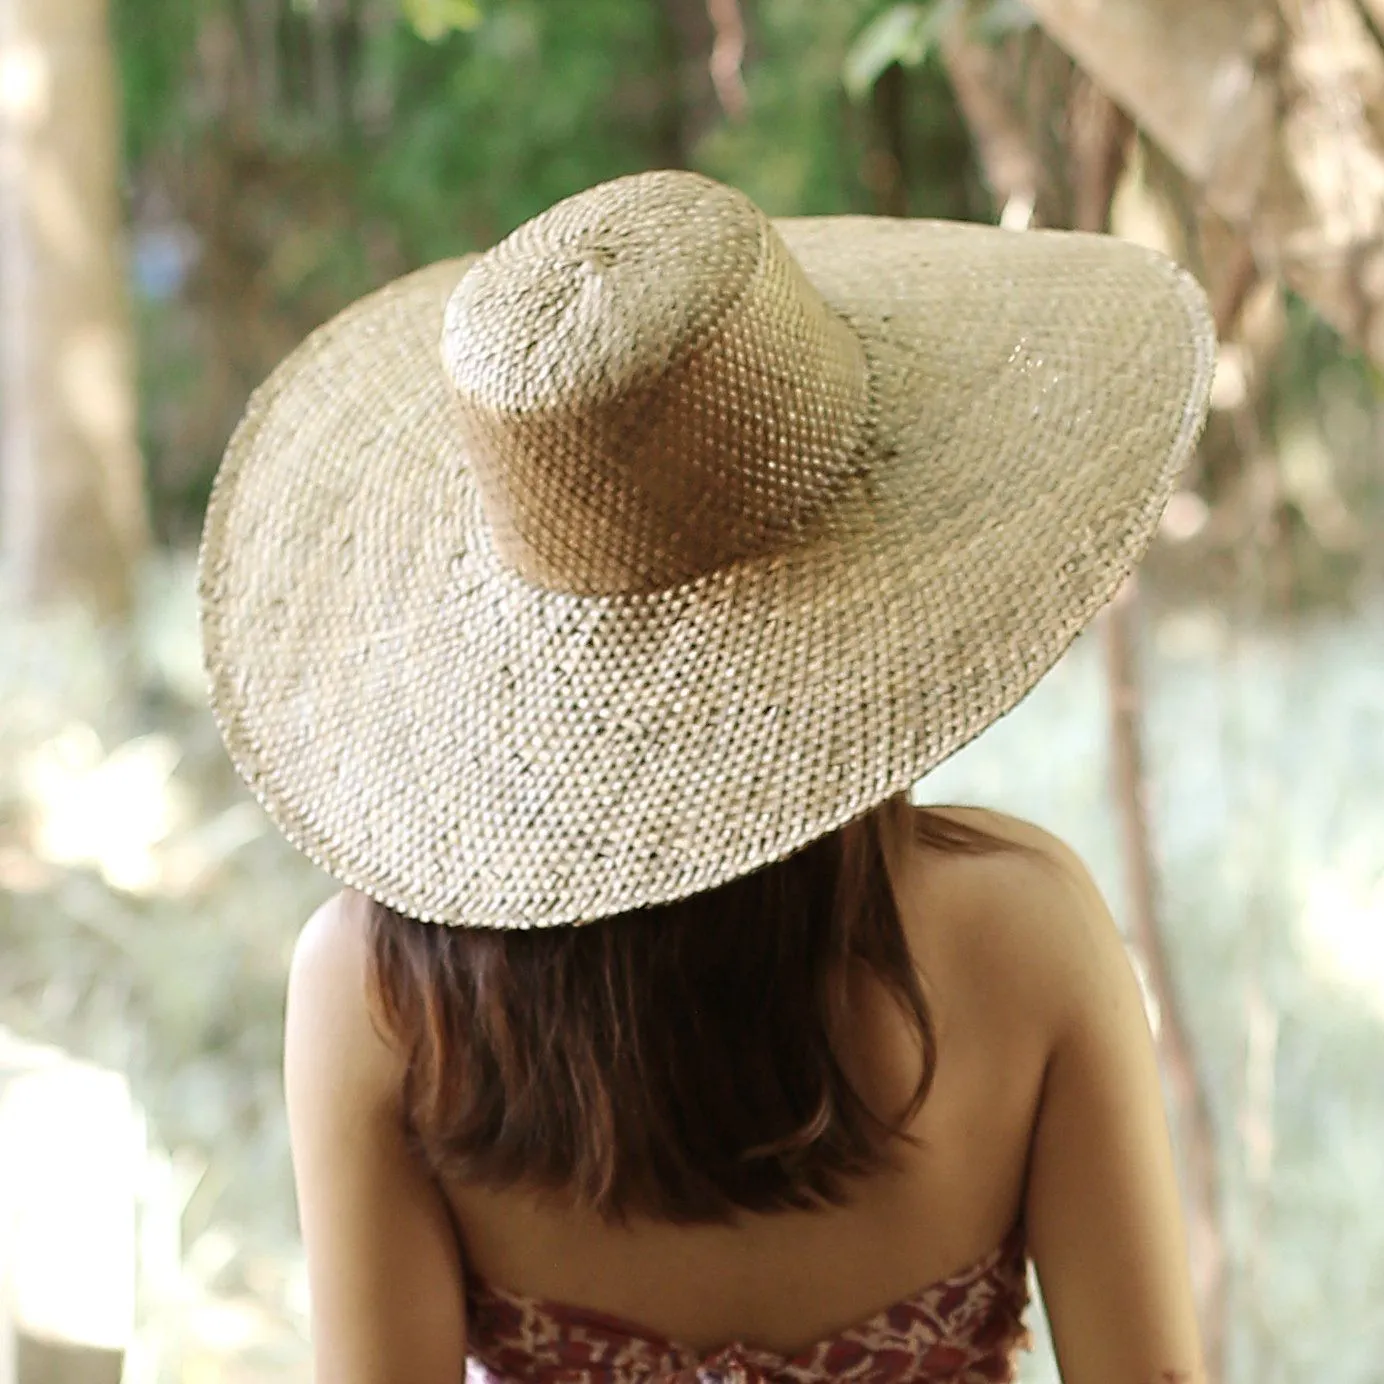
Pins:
x: 663, y: 539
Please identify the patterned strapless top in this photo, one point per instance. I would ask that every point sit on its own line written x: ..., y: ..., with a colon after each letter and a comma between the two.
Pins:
x: 966, y: 1329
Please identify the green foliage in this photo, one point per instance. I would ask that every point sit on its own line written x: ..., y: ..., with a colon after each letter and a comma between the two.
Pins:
x: 317, y: 149
x: 490, y: 126
x: 1313, y: 353
x: 154, y: 58
x: 435, y: 19
x: 908, y: 34
x: 903, y: 34
x: 797, y: 149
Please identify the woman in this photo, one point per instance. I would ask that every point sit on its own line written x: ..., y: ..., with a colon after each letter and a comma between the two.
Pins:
x: 654, y: 1034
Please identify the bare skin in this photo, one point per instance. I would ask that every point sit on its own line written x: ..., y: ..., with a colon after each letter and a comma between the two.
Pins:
x: 1046, y: 1105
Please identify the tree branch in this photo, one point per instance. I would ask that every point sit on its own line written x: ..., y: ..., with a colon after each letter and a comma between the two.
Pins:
x: 1002, y: 145
x: 1100, y: 137
x: 1186, y: 1088
x: 727, y: 53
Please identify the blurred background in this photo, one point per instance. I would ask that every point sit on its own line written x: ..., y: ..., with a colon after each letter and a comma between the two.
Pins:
x: 187, y: 187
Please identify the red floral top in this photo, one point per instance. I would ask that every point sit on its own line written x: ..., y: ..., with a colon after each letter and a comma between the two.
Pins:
x: 967, y: 1329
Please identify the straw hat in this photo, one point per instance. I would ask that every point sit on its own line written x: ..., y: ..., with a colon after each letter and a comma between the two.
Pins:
x: 663, y: 539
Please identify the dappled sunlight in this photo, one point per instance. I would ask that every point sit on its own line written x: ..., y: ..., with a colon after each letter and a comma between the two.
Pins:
x: 58, y: 216
x: 70, y: 1145
x: 26, y: 83
x: 1265, y: 755
x: 146, y: 918
x: 1341, y: 930
x: 93, y: 374
x: 112, y: 812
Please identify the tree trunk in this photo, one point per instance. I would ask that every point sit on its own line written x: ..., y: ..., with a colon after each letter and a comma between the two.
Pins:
x: 1191, y: 1106
x: 692, y: 108
x: 727, y: 54
x: 885, y: 171
x: 72, y: 518
x: 1008, y: 160
x: 1100, y: 135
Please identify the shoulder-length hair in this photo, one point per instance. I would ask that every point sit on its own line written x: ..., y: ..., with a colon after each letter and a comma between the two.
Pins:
x: 683, y: 1062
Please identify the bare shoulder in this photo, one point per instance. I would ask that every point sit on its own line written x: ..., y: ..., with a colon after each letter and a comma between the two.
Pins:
x: 1100, y: 1203
x: 333, y: 939
x: 1035, y: 844
x: 384, y: 1267
x: 329, y: 1019
x: 1031, y: 916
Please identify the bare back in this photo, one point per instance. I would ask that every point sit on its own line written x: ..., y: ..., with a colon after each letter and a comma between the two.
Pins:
x: 788, y: 1279
x: 1045, y: 1109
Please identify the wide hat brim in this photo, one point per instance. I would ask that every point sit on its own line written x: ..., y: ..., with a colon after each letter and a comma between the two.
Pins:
x: 467, y: 748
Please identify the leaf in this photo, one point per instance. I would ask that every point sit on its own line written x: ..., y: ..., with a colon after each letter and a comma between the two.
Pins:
x: 903, y: 34
x: 433, y: 20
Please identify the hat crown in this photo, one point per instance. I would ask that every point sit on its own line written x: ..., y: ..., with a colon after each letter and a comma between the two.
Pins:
x: 650, y: 389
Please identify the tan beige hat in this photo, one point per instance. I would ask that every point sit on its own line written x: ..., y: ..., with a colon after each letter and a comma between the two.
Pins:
x: 663, y: 539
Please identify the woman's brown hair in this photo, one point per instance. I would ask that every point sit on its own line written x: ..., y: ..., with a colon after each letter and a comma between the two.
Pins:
x: 682, y: 1062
